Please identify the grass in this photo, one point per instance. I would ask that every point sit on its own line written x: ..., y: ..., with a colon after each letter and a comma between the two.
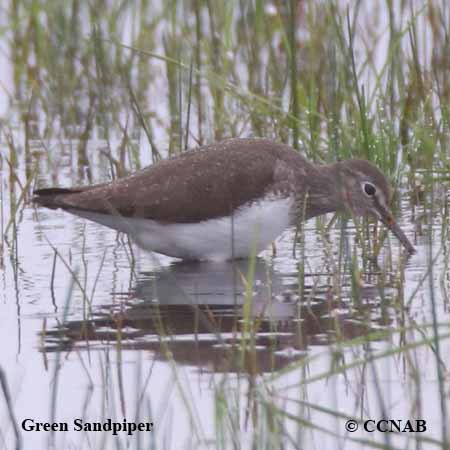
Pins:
x: 101, y: 89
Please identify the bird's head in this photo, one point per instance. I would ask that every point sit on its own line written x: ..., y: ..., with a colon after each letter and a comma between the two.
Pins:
x: 366, y: 192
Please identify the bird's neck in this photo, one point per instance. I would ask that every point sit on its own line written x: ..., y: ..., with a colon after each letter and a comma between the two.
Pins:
x: 325, y: 192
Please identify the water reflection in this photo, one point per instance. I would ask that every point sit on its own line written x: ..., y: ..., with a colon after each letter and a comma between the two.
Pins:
x: 196, y: 313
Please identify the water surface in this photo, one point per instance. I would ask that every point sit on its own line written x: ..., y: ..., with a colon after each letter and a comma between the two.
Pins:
x: 279, y: 350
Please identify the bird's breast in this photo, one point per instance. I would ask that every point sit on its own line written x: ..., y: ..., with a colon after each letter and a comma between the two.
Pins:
x: 249, y: 230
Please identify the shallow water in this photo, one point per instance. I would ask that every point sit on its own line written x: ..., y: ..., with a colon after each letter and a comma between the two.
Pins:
x: 145, y: 326
x: 216, y: 355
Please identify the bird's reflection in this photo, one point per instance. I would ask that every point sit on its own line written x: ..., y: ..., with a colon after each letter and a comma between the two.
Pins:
x: 229, y: 316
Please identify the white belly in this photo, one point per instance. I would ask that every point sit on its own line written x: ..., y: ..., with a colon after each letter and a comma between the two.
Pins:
x: 252, y: 228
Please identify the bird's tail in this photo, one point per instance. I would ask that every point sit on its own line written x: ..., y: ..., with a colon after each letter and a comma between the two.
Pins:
x: 53, y: 198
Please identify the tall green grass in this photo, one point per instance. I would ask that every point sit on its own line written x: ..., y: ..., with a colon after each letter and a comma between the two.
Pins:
x: 103, y: 87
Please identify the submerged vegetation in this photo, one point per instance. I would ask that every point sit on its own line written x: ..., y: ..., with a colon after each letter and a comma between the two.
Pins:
x: 97, y: 89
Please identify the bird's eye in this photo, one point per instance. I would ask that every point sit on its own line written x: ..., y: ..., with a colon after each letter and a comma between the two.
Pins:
x: 369, y: 189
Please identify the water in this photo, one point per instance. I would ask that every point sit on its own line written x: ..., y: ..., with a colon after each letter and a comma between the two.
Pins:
x: 146, y: 330
x: 258, y: 354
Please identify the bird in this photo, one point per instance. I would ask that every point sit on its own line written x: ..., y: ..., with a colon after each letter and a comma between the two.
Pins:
x: 227, y: 200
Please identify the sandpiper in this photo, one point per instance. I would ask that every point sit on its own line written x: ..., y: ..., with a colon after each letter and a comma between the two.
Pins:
x: 227, y: 200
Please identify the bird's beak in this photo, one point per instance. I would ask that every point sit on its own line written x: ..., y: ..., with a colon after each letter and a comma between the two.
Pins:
x: 388, y: 219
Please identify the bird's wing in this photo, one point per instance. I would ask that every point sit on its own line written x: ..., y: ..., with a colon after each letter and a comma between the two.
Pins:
x: 207, y: 183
